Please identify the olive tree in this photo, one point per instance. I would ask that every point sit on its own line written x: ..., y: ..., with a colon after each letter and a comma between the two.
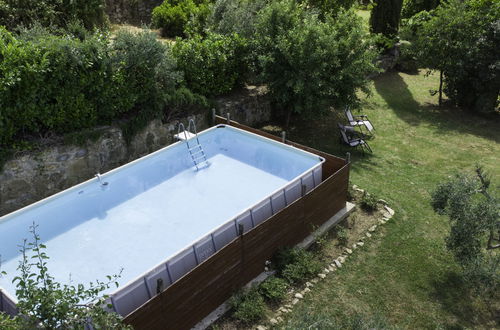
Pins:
x: 474, y: 214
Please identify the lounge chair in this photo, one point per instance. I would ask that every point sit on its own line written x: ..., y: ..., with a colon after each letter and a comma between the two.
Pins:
x: 346, y: 134
x: 358, y: 121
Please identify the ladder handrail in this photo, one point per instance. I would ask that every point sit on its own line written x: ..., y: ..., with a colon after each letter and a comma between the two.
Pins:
x: 192, y: 127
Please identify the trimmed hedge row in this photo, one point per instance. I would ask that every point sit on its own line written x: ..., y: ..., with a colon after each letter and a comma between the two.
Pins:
x: 62, y: 84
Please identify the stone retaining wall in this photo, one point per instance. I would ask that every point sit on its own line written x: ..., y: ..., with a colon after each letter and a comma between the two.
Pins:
x: 136, y: 12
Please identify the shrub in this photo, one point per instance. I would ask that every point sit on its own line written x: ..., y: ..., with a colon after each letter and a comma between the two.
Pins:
x: 412, y: 7
x: 248, y: 306
x: 46, y: 304
x: 342, y: 235
x: 297, y: 265
x: 211, y: 66
x: 368, y: 202
x: 52, y: 13
x: 273, y: 289
x: 330, y: 7
x: 235, y: 16
x: 173, y: 15
x: 310, y: 65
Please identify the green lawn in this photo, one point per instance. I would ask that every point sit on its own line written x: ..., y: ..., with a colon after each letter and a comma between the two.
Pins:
x: 404, y: 278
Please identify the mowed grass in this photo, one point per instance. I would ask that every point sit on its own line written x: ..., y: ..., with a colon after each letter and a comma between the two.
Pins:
x: 404, y: 277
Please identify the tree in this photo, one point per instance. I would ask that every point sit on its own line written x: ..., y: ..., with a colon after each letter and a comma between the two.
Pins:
x: 310, y: 65
x: 474, y: 214
x: 46, y: 304
x: 385, y: 17
x: 412, y: 7
x: 462, y: 40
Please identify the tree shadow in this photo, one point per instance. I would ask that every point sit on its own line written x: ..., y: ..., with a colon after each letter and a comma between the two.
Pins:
x: 394, y: 90
x: 455, y: 297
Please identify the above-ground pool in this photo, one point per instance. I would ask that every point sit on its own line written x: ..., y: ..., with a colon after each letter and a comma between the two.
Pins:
x: 158, y: 217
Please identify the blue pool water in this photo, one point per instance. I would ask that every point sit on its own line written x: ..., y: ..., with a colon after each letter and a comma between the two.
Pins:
x: 151, y: 208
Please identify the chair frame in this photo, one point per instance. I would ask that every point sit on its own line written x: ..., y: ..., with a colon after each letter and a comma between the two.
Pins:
x: 358, y: 120
x: 359, y: 142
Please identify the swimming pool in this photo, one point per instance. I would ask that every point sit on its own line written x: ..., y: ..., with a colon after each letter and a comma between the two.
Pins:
x: 158, y: 217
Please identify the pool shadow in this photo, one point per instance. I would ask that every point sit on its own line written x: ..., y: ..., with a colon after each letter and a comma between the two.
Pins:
x: 394, y: 90
x: 456, y: 297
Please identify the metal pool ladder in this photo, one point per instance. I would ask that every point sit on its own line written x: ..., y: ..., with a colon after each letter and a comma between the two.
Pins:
x: 195, y: 149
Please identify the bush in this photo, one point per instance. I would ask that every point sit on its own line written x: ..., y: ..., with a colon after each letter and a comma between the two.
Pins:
x: 412, y: 7
x: 133, y: 77
x: 330, y: 7
x: 44, y: 303
x: 248, y: 306
x: 368, y: 202
x: 173, y: 15
x: 310, y: 65
x: 235, y: 16
x: 297, y: 265
x: 273, y: 289
x: 342, y: 235
x: 211, y: 66
x: 52, y: 13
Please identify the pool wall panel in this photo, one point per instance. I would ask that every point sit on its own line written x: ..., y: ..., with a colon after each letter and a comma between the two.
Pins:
x: 278, y: 201
x: 160, y: 273
x: 262, y: 211
x: 246, y: 220
x: 212, y: 282
x: 225, y: 234
x: 130, y: 297
x: 181, y: 264
x: 204, y: 249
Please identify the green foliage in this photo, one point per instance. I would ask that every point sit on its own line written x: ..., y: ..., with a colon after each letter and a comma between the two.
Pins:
x: 45, y: 303
x: 310, y: 65
x: 173, y: 15
x: 385, y: 16
x: 462, y: 40
x: 213, y: 65
x: 342, y: 235
x: 248, y: 306
x: 274, y: 289
x: 235, y: 16
x: 330, y: 7
x: 474, y: 215
x: 368, y: 202
x: 52, y: 13
x: 296, y: 265
x: 413, y: 7
x: 409, y: 33
x: 134, y: 77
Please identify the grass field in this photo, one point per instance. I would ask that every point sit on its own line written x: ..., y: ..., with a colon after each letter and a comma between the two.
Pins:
x: 404, y: 278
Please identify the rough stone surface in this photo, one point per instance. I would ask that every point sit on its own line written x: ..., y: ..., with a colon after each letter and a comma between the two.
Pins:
x: 391, y: 211
x: 250, y: 105
x: 348, y: 251
x: 273, y: 321
x: 261, y: 327
x: 368, y: 235
x: 372, y: 228
x: 321, y: 275
x: 295, y: 301
x: 135, y: 12
x: 306, y: 290
x: 361, y: 243
x: 299, y: 296
x: 338, y: 263
x: 309, y: 284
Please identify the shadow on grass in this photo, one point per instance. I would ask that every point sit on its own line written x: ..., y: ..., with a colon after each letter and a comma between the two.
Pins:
x: 455, y: 296
x: 396, y: 93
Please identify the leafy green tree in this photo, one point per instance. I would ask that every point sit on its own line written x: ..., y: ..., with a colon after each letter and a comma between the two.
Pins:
x: 44, y: 303
x: 474, y: 238
x: 462, y: 40
x: 330, y: 7
x: 310, y: 65
x: 385, y: 17
x: 412, y: 7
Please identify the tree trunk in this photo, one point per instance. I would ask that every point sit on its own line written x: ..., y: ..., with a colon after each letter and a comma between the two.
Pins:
x: 440, y: 87
x: 385, y: 17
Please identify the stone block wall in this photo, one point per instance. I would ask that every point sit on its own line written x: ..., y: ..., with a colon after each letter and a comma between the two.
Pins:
x: 136, y: 12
